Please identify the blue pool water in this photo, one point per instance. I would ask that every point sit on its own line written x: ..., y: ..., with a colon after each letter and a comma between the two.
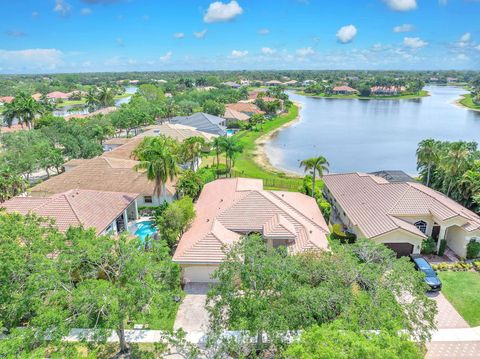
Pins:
x: 230, y: 132
x: 146, y: 228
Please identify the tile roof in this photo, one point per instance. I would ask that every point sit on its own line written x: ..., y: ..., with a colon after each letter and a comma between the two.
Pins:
x: 75, y: 207
x: 7, y: 99
x: 202, y: 122
x: 344, y: 89
x: 178, y: 132
x: 244, y: 107
x: 229, y: 208
x: 58, y: 95
x: 376, y: 205
x: 232, y: 114
x: 101, y: 174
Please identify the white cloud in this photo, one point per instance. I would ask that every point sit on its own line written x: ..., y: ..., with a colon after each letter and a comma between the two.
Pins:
x: 414, y: 42
x: 462, y: 57
x: 179, y: 35
x: 465, y: 37
x: 346, y: 34
x: 305, y: 51
x: 239, y: 53
x: 268, y: 51
x: 30, y: 59
x: 263, y: 31
x: 166, y: 57
x: 62, y: 7
x: 404, y: 28
x: 200, y: 34
x: 219, y: 12
x: 86, y: 11
x: 401, y: 5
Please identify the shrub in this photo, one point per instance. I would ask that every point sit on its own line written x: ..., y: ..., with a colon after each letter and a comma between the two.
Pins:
x: 343, y: 237
x: 443, y: 246
x: 473, y: 249
x: 476, y: 265
x: 428, y: 246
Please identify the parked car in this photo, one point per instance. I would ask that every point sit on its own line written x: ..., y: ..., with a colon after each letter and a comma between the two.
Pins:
x: 430, y: 275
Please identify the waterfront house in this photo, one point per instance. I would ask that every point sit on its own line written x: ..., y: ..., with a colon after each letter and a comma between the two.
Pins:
x: 399, y: 214
x: 203, y: 122
x: 273, y: 83
x: 344, y: 90
x: 227, y: 209
x: 106, y: 212
x: 56, y: 96
x: 105, y: 174
x: 232, y: 116
x: 387, y: 90
x: 247, y: 108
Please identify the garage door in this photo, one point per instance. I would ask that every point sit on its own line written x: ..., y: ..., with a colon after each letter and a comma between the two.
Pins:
x: 198, y: 274
x: 402, y: 249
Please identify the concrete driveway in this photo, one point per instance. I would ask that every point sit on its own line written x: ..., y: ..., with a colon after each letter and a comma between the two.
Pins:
x: 192, y: 315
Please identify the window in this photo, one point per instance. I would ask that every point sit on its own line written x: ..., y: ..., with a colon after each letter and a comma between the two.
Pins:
x: 148, y: 199
x: 421, y: 225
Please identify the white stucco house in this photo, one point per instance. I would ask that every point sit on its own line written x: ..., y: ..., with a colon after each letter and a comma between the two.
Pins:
x: 399, y: 214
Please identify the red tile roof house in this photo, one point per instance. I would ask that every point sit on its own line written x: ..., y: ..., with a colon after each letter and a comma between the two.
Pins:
x: 107, y: 212
x: 387, y: 90
x: 245, y: 107
x: 230, y: 208
x: 6, y: 99
x: 57, y: 96
x: 399, y: 214
x: 344, y: 90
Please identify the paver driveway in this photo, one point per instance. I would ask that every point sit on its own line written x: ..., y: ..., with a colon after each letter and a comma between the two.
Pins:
x: 447, y: 316
x: 192, y: 315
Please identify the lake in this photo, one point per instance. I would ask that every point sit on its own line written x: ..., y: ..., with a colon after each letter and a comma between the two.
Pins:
x: 371, y: 135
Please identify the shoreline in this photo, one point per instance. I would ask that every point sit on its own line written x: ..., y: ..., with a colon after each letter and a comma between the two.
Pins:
x: 363, y: 98
x: 458, y: 103
x: 260, y: 156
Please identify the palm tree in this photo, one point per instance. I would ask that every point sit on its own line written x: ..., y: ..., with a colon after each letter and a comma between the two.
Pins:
x: 105, y: 96
x: 157, y: 157
x: 315, y: 164
x: 23, y: 108
x: 232, y: 148
x: 217, y: 144
x: 469, y: 185
x: 192, y: 149
x: 427, y: 156
x: 91, y: 99
x: 455, y: 163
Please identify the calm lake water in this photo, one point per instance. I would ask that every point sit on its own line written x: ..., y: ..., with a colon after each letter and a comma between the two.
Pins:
x: 370, y: 135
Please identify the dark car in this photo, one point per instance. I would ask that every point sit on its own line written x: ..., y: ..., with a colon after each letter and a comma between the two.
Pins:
x: 430, y: 275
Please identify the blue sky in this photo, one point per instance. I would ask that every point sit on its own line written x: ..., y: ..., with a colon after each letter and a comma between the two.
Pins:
x: 38, y: 36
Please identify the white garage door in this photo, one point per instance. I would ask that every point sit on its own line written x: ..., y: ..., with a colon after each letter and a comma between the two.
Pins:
x: 201, y: 274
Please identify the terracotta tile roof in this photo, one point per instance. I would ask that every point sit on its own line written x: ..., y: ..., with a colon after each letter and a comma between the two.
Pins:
x: 376, y: 205
x: 231, y: 114
x: 229, y: 208
x: 179, y: 132
x: 58, y: 95
x: 37, y: 96
x: 7, y: 99
x: 101, y: 174
x: 244, y: 107
x: 75, y: 207
x: 344, y: 89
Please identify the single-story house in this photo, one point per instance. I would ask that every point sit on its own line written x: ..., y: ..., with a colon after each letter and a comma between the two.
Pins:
x: 290, y: 83
x: 273, y: 83
x: 247, y: 108
x: 107, y: 212
x: 344, y: 90
x: 387, y: 90
x: 229, y: 208
x: 37, y: 96
x: 114, y: 142
x: 203, y: 122
x: 235, y: 116
x: 105, y: 174
x: 231, y: 84
x: 399, y: 214
x: 6, y: 99
x: 58, y: 95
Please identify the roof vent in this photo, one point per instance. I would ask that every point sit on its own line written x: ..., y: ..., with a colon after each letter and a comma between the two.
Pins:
x: 208, y: 219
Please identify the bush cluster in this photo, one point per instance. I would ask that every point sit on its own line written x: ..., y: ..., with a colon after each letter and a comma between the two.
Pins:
x: 455, y: 267
x: 343, y: 237
x: 473, y: 249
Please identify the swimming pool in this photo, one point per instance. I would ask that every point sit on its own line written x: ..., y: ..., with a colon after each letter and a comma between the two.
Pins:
x: 144, y: 229
x: 230, y: 132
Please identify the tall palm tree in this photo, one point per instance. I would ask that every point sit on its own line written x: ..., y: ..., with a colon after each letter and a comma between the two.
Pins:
x: 217, y: 144
x: 455, y: 163
x: 91, y: 99
x: 157, y: 157
x: 469, y: 185
x: 315, y: 165
x: 192, y: 149
x: 427, y: 156
x: 232, y: 147
x: 23, y: 108
x: 105, y: 96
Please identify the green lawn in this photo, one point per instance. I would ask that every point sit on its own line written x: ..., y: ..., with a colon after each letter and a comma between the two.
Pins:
x: 422, y: 93
x: 462, y: 289
x: 82, y: 101
x: 467, y: 101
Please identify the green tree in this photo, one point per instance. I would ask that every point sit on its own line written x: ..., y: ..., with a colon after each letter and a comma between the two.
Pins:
x: 105, y: 96
x: 191, y: 150
x: 455, y: 163
x: 427, y: 156
x: 232, y: 148
x: 23, y: 108
x: 174, y: 220
x: 190, y: 184
x: 157, y: 156
x: 11, y: 184
x: 334, y: 342
x: 218, y: 146
x: 315, y: 165
x: 213, y: 107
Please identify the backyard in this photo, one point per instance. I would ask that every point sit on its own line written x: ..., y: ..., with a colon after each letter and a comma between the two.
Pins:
x: 462, y: 290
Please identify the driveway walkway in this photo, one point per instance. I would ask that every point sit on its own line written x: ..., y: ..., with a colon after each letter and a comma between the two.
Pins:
x: 447, y: 316
x: 192, y: 315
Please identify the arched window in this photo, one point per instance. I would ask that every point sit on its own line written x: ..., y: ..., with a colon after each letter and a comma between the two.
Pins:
x: 421, y: 225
